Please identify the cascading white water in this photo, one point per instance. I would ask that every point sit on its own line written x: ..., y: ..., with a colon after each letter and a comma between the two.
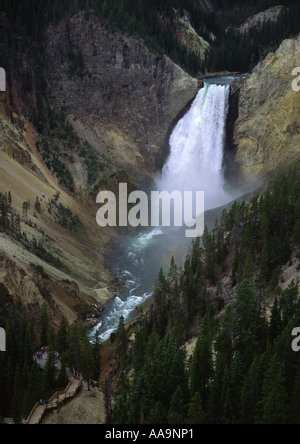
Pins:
x: 194, y: 164
x: 197, y: 148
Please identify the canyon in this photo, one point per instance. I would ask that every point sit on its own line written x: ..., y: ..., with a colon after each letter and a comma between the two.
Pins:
x: 123, y: 101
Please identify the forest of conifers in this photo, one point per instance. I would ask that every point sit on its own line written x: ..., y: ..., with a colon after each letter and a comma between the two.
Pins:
x: 243, y: 369
x: 153, y: 21
x: 22, y: 381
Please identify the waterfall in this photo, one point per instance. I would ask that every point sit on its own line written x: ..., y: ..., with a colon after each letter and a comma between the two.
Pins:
x: 195, y: 164
x: 197, y: 148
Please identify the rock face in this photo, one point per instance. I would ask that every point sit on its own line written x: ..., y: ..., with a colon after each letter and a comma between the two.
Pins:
x: 257, y: 21
x: 83, y: 278
x: 187, y: 35
x: 267, y: 131
x: 124, y: 98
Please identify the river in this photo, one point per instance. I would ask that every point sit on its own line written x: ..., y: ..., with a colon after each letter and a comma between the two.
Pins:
x: 195, y: 163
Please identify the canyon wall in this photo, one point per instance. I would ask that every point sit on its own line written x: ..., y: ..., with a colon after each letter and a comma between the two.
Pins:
x: 123, y: 97
x: 267, y: 131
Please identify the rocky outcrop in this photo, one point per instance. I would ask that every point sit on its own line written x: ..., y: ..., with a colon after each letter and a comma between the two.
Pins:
x: 187, y: 35
x: 81, y: 278
x: 123, y: 99
x: 257, y: 21
x: 267, y: 131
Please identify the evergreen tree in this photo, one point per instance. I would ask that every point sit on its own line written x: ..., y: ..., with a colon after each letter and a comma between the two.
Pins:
x: 44, y: 326
x: 62, y: 337
x: 141, y: 401
x: 122, y: 343
x: 177, y: 410
x: 274, y: 402
x: 96, y: 348
x: 50, y: 373
x: 62, y: 379
x: 196, y: 414
x: 74, y: 347
x: 245, y: 322
x: 275, y: 327
x: 158, y: 415
x: 251, y: 393
x: 139, y: 351
x: 120, y: 415
x: 295, y: 404
x: 87, y: 363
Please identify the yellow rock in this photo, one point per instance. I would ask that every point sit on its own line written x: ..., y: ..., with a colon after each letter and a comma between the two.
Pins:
x: 267, y: 132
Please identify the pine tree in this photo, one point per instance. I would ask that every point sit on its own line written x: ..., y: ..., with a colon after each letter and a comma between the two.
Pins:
x: 196, y: 414
x: 139, y: 351
x: 177, y: 410
x: 274, y: 403
x: 245, y: 322
x: 97, y: 348
x: 295, y: 404
x: 44, y: 326
x: 202, y: 365
x: 62, y: 379
x: 141, y: 401
x: 251, y: 393
x: 237, y: 373
x: 50, y: 373
x: 122, y: 343
x: 120, y: 415
x: 158, y: 415
x: 37, y: 205
x: 18, y: 393
x: 62, y: 337
x: 275, y: 327
x: 86, y: 360
x: 74, y: 347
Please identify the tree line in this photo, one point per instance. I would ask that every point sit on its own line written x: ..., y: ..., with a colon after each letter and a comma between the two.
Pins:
x: 154, y: 22
x: 243, y: 369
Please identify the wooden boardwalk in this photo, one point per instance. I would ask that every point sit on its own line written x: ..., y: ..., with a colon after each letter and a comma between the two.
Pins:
x: 70, y: 391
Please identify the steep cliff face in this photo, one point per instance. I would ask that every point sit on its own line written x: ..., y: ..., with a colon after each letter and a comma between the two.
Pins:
x: 267, y: 131
x: 257, y: 21
x: 50, y: 260
x: 187, y: 35
x: 123, y: 99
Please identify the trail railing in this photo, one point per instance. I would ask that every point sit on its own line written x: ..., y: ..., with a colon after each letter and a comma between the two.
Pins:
x: 38, y: 411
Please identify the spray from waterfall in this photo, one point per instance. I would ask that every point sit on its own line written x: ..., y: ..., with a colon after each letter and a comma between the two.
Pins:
x: 197, y: 148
